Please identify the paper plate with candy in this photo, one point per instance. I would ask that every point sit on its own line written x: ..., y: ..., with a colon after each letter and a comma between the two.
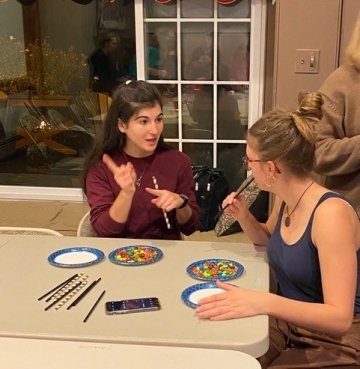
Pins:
x: 135, y: 255
x: 215, y: 269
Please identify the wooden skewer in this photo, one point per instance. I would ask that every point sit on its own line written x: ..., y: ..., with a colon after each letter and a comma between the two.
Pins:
x: 94, y: 306
x: 239, y: 192
x: 59, y: 286
x: 70, y: 295
x: 84, y: 293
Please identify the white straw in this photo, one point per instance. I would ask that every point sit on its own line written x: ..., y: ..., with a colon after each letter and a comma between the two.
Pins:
x: 164, y: 212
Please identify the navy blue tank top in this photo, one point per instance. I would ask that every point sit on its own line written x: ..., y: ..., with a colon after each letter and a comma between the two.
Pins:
x: 297, y: 267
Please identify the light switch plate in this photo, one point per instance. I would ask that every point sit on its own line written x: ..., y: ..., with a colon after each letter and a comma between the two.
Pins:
x: 307, y: 60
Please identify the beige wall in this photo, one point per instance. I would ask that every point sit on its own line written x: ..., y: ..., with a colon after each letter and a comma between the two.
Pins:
x: 305, y: 24
x: 325, y: 25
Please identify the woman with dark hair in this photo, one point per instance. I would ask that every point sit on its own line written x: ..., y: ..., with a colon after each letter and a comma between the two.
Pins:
x: 136, y: 185
x: 313, y: 239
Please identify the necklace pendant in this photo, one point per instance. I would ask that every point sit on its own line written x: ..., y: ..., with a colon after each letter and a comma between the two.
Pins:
x: 138, y: 182
x: 287, y: 221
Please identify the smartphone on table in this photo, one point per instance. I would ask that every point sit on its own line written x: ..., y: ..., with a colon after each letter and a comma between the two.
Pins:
x: 132, y: 305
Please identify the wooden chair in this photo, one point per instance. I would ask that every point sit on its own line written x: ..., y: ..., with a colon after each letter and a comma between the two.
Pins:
x: 57, y: 118
x: 29, y: 231
x: 81, y: 114
x: 34, y: 131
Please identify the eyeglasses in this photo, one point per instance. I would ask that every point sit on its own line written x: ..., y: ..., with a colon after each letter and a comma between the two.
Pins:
x: 246, y: 161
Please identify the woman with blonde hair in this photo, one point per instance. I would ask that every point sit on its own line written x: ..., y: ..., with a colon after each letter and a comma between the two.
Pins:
x: 338, y: 148
x: 313, y: 239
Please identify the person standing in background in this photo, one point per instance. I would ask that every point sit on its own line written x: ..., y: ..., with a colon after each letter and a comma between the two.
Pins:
x: 338, y: 148
x: 104, y: 69
x: 153, y: 70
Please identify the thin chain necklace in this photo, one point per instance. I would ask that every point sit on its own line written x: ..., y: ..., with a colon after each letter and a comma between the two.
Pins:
x: 138, y: 181
x: 287, y: 218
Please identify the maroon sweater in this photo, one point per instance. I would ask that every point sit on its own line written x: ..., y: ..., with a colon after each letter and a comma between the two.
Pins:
x: 173, y: 172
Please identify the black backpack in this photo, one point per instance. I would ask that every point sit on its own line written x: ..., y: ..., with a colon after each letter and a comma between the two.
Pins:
x: 211, y: 187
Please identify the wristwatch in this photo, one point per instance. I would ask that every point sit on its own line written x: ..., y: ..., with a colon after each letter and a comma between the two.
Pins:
x: 186, y: 200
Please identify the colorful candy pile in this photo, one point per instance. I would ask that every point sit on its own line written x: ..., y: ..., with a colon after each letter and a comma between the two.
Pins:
x: 136, y: 255
x: 215, y: 269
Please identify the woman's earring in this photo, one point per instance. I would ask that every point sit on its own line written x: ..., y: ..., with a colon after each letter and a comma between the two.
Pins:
x: 270, y: 180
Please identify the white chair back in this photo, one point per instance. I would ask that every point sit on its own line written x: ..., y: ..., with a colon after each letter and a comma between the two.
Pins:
x: 84, y: 228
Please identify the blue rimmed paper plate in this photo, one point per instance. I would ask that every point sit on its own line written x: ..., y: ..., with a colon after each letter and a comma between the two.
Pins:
x: 75, y: 257
x: 215, y: 269
x: 193, y: 294
x: 135, y: 255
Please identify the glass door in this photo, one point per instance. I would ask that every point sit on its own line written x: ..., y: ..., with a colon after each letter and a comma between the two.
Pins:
x: 207, y: 59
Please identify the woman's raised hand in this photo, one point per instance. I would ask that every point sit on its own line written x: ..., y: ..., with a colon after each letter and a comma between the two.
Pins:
x: 124, y: 174
x: 165, y: 199
x: 235, y: 205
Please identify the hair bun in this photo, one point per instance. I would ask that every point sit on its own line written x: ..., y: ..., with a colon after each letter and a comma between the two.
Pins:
x: 309, y: 106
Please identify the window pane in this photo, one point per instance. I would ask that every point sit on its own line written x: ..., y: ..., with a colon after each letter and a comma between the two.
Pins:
x: 234, y: 51
x: 197, y: 51
x: 235, y: 9
x: 201, y: 101
x: 188, y: 96
x: 197, y: 8
x: 232, y: 111
x: 156, y: 9
x: 49, y: 137
x: 229, y: 159
x: 49, y: 117
x: 200, y: 153
x: 161, y: 55
x: 51, y: 107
